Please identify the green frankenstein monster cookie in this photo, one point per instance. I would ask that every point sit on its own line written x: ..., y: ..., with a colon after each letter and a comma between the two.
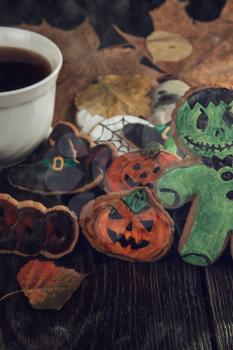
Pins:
x: 203, y: 128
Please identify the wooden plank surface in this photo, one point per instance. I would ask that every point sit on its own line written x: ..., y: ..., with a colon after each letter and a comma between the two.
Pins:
x: 119, y: 306
x: 220, y: 288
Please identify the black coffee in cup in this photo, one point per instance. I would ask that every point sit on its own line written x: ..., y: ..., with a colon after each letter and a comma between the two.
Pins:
x: 20, y: 68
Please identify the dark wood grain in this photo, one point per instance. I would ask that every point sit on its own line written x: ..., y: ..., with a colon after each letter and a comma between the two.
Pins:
x: 220, y: 289
x: 119, y: 306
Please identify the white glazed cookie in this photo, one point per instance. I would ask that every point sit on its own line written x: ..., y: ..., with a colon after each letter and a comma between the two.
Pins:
x: 111, y: 130
x: 164, y: 98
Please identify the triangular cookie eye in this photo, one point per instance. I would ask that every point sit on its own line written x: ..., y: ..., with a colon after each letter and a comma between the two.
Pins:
x: 148, y: 224
x: 115, y: 215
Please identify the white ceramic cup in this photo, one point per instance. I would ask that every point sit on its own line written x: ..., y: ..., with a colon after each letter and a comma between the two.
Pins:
x: 26, y: 114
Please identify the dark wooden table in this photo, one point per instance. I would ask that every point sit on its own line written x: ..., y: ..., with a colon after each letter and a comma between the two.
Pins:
x: 168, y: 305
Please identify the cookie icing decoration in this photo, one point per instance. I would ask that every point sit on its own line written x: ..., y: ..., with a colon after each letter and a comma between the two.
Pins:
x: 137, y: 201
x: 130, y: 225
x: 28, y: 228
x: 138, y: 168
x: 141, y: 136
x: 111, y: 130
x: 203, y: 128
x: 70, y: 162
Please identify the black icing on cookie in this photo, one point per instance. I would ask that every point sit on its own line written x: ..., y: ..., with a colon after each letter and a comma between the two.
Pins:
x: 142, y: 135
x: 70, y: 162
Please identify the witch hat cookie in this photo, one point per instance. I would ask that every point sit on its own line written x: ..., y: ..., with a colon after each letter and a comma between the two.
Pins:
x: 70, y: 162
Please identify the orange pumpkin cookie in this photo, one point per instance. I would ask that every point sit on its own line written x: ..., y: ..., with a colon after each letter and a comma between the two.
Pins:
x: 29, y: 228
x: 130, y: 225
x: 138, y: 168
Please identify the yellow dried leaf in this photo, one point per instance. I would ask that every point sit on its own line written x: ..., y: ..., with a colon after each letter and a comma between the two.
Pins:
x: 84, y: 62
x: 117, y: 95
x: 167, y: 46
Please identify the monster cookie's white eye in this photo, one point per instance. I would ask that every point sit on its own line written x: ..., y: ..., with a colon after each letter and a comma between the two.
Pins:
x: 228, y: 117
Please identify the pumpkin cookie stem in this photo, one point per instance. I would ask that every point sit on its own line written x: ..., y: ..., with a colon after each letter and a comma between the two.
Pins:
x: 137, y: 201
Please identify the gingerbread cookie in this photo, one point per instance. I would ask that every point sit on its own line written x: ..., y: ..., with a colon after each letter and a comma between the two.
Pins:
x: 203, y: 128
x: 70, y: 162
x: 29, y: 228
x: 138, y: 168
x: 130, y: 225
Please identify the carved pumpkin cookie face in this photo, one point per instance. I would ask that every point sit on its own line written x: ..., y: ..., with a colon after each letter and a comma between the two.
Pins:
x: 69, y: 163
x: 130, y: 225
x: 137, y: 168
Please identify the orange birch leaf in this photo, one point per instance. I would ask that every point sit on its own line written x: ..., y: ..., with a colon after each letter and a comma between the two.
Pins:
x: 46, y: 285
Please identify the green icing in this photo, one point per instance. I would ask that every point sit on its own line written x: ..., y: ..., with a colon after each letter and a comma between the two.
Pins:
x: 170, y: 145
x: 152, y: 148
x: 206, y: 132
x: 215, y: 140
x: 160, y: 127
x: 213, y: 219
x: 137, y: 201
x: 68, y: 162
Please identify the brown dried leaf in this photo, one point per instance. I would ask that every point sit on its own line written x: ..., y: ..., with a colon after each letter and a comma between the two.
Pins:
x: 47, y: 286
x: 138, y: 42
x: 227, y: 11
x: 84, y: 62
x: 211, y: 60
x: 212, y: 55
x: 117, y: 95
x: 159, y: 45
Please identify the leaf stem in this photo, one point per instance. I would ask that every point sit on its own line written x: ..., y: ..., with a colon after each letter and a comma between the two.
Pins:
x: 16, y: 292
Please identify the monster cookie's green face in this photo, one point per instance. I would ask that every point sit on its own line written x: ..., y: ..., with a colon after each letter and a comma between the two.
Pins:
x: 206, y: 131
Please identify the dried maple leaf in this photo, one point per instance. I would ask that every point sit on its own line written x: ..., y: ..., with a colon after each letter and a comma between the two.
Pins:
x: 117, y: 95
x: 211, y: 60
x: 47, y: 286
x: 84, y: 62
x: 159, y: 45
x: 138, y: 42
x: 227, y: 11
